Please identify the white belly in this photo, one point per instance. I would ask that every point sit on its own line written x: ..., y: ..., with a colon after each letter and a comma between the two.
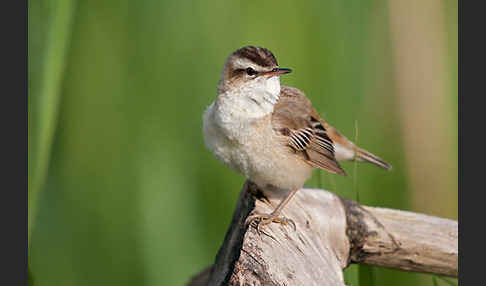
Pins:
x: 256, y: 151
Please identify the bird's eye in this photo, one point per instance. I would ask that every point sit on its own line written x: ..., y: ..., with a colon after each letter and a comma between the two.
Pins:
x: 251, y: 71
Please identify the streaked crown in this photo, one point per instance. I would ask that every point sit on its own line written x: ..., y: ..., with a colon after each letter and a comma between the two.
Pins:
x: 257, y: 55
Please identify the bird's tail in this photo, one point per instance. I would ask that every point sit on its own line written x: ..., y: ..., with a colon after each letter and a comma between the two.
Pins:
x: 363, y: 155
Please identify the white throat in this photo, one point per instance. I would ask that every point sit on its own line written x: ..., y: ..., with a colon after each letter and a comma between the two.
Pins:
x: 253, y: 100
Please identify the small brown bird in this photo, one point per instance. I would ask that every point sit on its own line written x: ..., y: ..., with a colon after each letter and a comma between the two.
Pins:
x: 270, y: 133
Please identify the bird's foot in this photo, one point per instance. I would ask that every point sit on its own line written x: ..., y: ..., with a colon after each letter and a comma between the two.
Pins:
x: 263, y: 219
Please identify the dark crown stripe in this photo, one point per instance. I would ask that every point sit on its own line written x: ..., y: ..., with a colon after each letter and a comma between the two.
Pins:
x: 258, y: 55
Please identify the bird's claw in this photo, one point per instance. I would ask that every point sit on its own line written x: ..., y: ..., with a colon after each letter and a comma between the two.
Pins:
x: 263, y: 219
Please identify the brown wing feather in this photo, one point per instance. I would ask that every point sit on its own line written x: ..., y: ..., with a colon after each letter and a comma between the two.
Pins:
x: 295, y: 118
x: 361, y: 154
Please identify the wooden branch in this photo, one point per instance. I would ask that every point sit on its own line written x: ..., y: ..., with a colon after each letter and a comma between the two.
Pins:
x: 405, y: 240
x: 331, y: 233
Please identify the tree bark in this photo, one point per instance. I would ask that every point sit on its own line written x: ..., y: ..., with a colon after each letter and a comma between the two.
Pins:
x: 331, y: 232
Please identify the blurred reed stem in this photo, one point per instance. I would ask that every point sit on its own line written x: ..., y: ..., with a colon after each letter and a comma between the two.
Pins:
x: 47, y: 101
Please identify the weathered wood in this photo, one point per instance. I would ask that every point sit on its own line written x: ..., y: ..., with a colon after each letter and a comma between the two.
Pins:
x: 331, y: 233
x: 410, y: 241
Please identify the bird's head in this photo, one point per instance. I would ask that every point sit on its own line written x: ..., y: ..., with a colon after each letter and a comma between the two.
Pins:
x: 252, y: 70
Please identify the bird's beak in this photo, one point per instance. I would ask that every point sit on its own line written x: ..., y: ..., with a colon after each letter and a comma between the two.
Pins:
x: 276, y: 72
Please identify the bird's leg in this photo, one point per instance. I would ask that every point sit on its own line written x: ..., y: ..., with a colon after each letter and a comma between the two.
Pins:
x: 264, y: 219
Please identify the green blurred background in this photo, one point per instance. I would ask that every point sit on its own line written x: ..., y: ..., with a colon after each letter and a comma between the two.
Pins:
x: 121, y: 188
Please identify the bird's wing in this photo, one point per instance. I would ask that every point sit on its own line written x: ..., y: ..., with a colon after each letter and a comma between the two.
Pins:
x: 349, y: 151
x: 295, y: 118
